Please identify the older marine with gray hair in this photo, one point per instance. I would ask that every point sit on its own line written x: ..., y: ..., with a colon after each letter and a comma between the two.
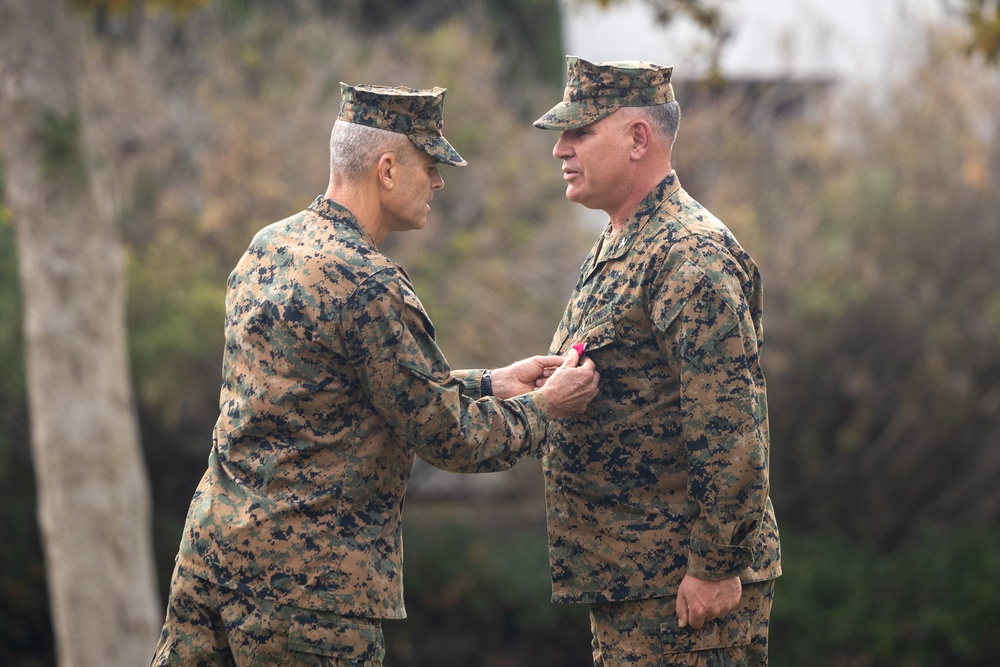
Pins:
x: 659, y: 513
x: 332, y: 383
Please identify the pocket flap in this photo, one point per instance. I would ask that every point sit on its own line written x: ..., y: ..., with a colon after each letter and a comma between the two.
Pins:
x: 726, y: 632
x: 336, y: 637
x: 595, y: 336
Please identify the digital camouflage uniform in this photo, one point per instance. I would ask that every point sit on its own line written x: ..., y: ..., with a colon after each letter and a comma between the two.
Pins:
x: 332, y: 382
x: 667, y: 471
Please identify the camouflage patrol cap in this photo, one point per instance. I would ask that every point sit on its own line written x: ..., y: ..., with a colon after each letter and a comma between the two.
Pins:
x: 414, y: 112
x: 594, y: 91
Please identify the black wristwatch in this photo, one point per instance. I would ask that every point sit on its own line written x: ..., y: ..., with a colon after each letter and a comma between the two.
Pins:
x: 486, y: 386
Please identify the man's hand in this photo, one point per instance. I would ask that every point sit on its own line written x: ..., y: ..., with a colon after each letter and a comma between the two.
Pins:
x: 699, y: 600
x: 572, y: 386
x: 523, y: 376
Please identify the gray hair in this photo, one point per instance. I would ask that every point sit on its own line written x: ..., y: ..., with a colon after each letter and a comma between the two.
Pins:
x: 354, y: 148
x: 665, y: 119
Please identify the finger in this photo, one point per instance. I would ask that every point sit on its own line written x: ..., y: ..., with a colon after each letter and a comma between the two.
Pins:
x: 572, y: 358
x: 682, y: 611
x: 696, y: 619
x: 549, y: 360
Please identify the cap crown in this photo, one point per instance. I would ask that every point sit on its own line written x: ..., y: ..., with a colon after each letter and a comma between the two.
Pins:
x: 417, y: 113
x: 594, y: 91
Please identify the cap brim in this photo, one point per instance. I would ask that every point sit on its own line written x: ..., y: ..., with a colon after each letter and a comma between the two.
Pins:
x: 439, y: 149
x: 570, y: 116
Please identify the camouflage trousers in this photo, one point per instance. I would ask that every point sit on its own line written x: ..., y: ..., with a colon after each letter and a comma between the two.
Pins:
x: 209, y: 625
x: 644, y: 633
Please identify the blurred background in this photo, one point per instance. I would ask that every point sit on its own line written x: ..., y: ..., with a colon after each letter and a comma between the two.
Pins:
x: 853, y: 148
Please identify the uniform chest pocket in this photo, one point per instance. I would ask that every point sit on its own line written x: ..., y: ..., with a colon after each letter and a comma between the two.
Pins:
x: 596, y: 336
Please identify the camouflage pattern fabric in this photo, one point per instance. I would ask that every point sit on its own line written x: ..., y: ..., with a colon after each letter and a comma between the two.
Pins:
x: 644, y: 633
x: 208, y: 624
x: 667, y: 471
x: 594, y: 91
x: 332, y: 382
x: 417, y: 113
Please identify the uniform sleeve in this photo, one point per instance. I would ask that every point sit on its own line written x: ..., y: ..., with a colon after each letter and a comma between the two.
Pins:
x: 472, y: 380
x: 390, y: 342
x: 712, y: 345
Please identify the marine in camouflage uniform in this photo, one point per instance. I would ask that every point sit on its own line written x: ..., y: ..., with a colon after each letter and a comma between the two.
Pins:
x: 666, y: 475
x: 332, y: 382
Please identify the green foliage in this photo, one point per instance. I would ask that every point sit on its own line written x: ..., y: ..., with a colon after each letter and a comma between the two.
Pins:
x: 176, y: 312
x: 477, y: 594
x: 113, y: 7
x: 875, y: 229
x: 932, y: 603
x: 12, y: 386
x: 62, y: 150
x: 875, y: 238
x: 25, y: 626
x: 527, y: 33
x: 25, y: 630
x: 983, y: 17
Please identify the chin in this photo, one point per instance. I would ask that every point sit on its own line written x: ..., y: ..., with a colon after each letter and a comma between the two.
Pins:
x: 576, y: 196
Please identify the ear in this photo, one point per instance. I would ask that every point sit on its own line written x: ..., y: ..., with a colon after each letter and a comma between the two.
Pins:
x: 386, y: 170
x: 641, y: 135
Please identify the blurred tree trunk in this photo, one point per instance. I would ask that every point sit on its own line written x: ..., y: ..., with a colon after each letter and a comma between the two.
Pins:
x: 93, y: 495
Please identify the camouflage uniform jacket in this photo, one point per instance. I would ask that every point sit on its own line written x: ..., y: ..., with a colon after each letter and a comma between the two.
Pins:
x: 667, y: 472
x: 332, y: 381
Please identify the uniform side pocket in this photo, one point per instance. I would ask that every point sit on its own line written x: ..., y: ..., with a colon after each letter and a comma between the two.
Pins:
x: 336, y: 636
x: 726, y: 632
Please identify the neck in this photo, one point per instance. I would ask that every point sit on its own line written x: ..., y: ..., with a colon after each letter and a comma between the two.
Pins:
x: 359, y: 199
x: 646, y: 180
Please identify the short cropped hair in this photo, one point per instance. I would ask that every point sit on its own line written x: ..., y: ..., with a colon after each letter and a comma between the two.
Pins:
x: 354, y: 148
x: 665, y: 119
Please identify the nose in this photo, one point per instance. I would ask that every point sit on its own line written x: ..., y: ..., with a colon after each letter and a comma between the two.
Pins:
x: 436, y: 181
x: 561, y: 150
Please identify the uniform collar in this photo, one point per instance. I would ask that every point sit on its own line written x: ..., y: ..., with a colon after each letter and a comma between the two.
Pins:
x: 334, y: 212
x: 617, y: 245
